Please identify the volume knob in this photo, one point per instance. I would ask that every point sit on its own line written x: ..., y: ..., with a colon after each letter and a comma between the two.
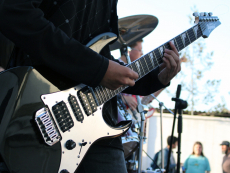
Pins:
x: 64, y: 171
x: 70, y: 144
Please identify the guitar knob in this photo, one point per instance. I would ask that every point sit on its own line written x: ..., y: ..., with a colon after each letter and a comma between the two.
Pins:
x: 64, y: 171
x: 70, y: 144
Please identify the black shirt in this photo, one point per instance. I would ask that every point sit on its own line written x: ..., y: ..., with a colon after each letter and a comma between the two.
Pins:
x: 51, y: 36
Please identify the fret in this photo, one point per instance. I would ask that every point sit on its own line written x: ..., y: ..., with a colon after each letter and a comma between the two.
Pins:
x: 148, y: 62
x: 191, y: 35
x: 180, y: 44
x: 138, y: 69
x: 143, y: 64
x: 174, y: 40
x: 108, y: 92
x: 113, y: 93
x: 98, y: 96
x: 161, y: 50
x: 104, y: 92
x: 134, y: 67
x: 195, y: 29
x: 188, y: 38
x: 117, y: 91
x: 183, y: 36
x: 151, y: 59
x: 156, y: 55
x: 199, y: 32
x: 140, y: 65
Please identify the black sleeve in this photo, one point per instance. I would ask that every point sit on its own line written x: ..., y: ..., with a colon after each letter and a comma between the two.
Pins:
x: 24, y: 24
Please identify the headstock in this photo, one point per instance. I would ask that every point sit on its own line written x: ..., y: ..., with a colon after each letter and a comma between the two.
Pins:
x: 207, y: 22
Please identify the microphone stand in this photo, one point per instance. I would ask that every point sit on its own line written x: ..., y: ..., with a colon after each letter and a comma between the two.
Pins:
x: 179, y: 106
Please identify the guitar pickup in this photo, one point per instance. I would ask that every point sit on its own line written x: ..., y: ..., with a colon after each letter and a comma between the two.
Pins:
x: 47, y: 127
x: 88, y: 103
x: 75, y: 108
x: 63, y: 116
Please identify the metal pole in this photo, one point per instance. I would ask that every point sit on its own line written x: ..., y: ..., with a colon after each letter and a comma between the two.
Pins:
x: 162, y: 103
x: 141, y: 134
x: 161, y: 126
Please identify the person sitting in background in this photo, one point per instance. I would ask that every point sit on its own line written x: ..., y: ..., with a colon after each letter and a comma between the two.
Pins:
x: 226, y: 159
x: 197, y: 162
x: 172, y: 163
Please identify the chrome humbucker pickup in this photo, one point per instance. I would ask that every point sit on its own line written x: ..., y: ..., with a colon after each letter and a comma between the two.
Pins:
x: 47, y: 127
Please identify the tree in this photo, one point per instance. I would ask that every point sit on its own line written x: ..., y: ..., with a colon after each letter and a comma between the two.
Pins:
x: 197, y: 61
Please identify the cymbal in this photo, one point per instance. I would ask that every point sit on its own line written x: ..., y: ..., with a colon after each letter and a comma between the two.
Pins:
x: 133, y: 29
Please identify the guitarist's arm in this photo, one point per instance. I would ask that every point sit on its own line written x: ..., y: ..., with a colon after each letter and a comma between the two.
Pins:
x: 49, y: 45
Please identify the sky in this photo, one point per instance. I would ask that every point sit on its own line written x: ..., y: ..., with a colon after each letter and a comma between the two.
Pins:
x: 173, y: 20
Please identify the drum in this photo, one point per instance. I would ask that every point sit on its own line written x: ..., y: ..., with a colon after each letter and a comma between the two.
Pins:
x: 130, y: 139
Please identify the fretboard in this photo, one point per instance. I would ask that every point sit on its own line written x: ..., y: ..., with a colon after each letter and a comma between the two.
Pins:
x: 150, y: 61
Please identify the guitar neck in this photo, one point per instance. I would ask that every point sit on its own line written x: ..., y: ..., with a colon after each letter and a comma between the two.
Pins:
x: 150, y: 61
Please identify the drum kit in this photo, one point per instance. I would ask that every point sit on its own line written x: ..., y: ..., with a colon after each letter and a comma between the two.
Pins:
x: 132, y: 29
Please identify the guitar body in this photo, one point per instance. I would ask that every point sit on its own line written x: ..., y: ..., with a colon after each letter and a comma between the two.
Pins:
x: 21, y: 144
x: 35, y: 138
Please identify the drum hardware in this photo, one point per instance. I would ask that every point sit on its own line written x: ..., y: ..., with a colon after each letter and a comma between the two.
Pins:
x: 133, y: 29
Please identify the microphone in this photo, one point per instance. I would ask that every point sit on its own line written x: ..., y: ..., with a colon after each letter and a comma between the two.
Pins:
x: 178, y: 91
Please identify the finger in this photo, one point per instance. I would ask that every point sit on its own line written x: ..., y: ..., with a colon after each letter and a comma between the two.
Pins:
x: 173, y: 47
x: 162, y: 66
x: 131, y: 74
x: 126, y: 81
x: 173, y: 64
x: 167, y: 63
x: 173, y: 54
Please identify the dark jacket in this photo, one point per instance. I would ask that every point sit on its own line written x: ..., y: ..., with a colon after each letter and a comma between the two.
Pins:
x: 51, y: 35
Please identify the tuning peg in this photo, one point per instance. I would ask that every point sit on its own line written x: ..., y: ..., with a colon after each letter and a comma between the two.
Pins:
x: 210, y: 13
x: 196, y: 14
x: 203, y: 14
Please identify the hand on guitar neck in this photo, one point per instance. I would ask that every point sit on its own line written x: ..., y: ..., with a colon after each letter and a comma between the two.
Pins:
x: 170, y: 66
x: 117, y: 76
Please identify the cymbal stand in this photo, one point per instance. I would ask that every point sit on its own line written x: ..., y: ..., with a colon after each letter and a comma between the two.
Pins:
x: 142, y: 110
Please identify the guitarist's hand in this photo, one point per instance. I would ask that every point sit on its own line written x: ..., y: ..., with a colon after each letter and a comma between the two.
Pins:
x: 170, y: 66
x: 117, y: 76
